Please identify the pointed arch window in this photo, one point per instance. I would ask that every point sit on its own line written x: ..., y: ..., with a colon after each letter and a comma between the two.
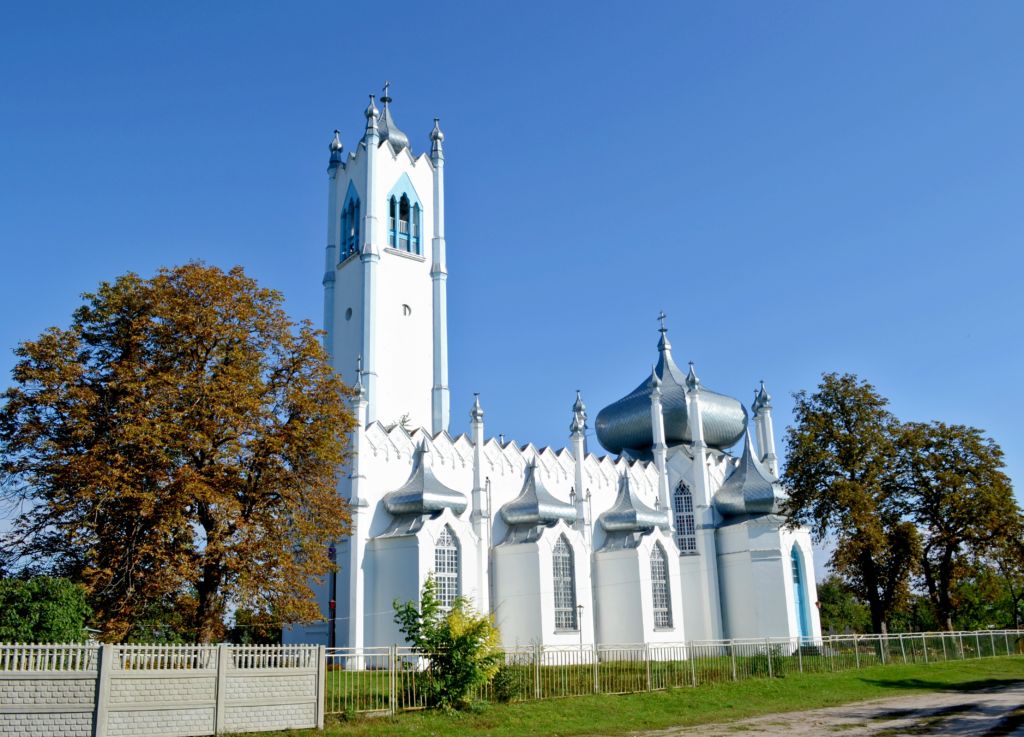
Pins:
x: 686, y: 526
x: 564, y: 577
x: 349, y: 228
x: 404, y: 219
x: 661, y: 595
x: 800, y: 595
x: 446, y: 567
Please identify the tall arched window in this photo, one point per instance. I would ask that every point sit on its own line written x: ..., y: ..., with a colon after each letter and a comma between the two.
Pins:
x: 446, y: 567
x: 564, y: 575
x: 349, y: 229
x: 392, y: 221
x: 686, y: 529
x: 800, y: 595
x: 660, y: 592
x: 416, y: 229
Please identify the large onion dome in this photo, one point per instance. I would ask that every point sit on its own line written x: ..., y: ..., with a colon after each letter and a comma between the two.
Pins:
x: 423, y: 493
x: 626, y: 424
x: 751, y: 489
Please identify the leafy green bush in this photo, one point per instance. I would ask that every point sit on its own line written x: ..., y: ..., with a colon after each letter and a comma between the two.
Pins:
x: 505, y: 684
x: 42, y: 609
x: 460, y: 646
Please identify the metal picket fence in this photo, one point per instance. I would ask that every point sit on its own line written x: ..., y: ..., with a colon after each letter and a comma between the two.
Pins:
x: 386, y: 680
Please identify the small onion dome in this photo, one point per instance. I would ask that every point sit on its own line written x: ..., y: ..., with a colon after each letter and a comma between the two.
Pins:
x: 336, y: 146
x: 626, y: 423
x: 579, y: 415
x: 389, y: 131
x: 751, y: 489
x: 476, y: 414
x: 629, y: 514
x: 435, y: 133
x: 535, y: 505
x: 423, y: 493
x: 762, y: 400
x: 371, y: 113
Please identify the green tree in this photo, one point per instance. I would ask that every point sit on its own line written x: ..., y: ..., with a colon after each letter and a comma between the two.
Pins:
x: 177, y: 445
x: 960, y: 499
x: 460, y: 645
x: 840, y: 610
x: 42, y: 609
x: 841, y: 452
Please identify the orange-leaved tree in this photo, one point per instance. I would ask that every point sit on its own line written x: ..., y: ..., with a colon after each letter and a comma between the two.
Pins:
x: 175, y: 449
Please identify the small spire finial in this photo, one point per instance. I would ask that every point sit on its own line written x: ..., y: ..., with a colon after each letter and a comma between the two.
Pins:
x: 359, y: 376
x: 386, y: 98
x: 476, y: 414
x: 661, y: 319
x: 692, y: 380
x: 336, y: 142
x: 578, y: 425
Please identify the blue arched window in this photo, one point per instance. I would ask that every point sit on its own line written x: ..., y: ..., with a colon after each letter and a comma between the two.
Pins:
x: 800, y: 594
x: 349, y: 240
x: 405, y: 218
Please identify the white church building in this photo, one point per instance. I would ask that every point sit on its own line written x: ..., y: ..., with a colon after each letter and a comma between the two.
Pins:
x: 671, y: 536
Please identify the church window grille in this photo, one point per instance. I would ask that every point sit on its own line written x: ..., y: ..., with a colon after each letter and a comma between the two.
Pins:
x: 660, y: 592
x: 446, y: 568
x: 686, y: 527
x: 564, y: 575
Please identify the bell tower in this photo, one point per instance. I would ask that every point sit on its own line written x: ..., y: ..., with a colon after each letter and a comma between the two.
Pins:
x: 385, y: 275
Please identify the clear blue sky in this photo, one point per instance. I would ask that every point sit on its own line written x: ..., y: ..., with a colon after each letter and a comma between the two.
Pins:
x: 802, y: 187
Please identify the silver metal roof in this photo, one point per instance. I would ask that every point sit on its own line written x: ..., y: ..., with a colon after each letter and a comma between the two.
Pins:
x: 629, y: 514
x: 388, y: 130
x: 626, y: 423
x: 751, y: 489
x: 535, y: 505
x: 423, y: 493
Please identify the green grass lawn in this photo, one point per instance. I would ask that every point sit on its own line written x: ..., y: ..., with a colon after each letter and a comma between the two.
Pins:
x: 716, y: 702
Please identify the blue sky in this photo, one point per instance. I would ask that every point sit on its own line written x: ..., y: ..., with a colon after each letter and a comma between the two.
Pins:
x: 802, y: 187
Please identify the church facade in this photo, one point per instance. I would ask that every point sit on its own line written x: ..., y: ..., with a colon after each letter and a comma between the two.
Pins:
x: 671, y: 536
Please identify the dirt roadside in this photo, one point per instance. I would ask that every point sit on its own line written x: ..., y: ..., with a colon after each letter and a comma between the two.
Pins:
x: 990, y: 713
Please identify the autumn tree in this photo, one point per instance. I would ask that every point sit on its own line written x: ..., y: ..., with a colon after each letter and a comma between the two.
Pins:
x: 841, y: 456
x: 176, y: 446
x: 960, y: 499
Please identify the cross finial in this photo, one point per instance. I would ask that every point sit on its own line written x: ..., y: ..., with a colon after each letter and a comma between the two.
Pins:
x: 387, y: 97
x: 661, y: 318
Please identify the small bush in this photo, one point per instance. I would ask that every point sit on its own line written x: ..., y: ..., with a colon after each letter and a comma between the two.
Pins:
x: 505, y: 685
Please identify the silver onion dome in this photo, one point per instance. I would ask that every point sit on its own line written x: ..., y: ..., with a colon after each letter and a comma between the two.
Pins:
x: 423, y: 493
x: 629, y: 514
x: 626, y: 423
x: 751, y: 489
x: 535, y: 505
x: 388, y: 130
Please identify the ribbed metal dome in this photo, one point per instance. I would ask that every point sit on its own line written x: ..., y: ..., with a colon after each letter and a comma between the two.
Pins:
x: 423, y: 493
x: 626, y: 423
x: 751, y: 489
x: 629, y: 514
x: 388, y: 130
x: 535, y: 505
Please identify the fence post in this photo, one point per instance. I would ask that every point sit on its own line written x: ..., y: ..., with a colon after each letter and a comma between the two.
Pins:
x: 732, y: 653
x: 943, y: 638
x: 768, y: 649
x: 106, y: 664
x: 992, y: 638
x: 321, y: 684
x: 597, y: 671
x: 693, y: 666
x: 392, y: 677
x: 977, y: 642
x: 924, y: 646
x: 221, y: 693
x: 1006, y: 639
x: 647, y: 659
x: 536, y: 672
x: 800, y: 654
x: 856, y: 652
x: 903, y: 649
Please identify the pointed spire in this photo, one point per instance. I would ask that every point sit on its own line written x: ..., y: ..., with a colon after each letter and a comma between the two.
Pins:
x: 476, y: 414
x: 371, y: 117
x: 692, y: 380
x: 663, y: 345
x: 388, y: 129
x: 579, y: 415
x: 762, y: 400
x: 751, y: 488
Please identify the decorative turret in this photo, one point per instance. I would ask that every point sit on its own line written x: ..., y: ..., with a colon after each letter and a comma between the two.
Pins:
x: 388, y: 130
x: 371, y: 114
x: 476, y: 413
x: 629, y: 519
x: 751, y: 490
x: 762, y: 409
x: 423, y: 493
x: 436, y: 140
x: 578, y: 426
x: 335, y: 149
x: 625, y: 425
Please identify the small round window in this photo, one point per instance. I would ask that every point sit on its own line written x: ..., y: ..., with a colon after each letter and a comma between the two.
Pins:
x: 406, y: 310
x: 348, y: 314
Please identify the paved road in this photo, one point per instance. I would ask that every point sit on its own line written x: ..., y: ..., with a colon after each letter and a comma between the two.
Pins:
x: 993, y: 713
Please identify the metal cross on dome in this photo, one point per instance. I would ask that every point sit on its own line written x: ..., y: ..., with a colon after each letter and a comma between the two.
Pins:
x: 661, y: 317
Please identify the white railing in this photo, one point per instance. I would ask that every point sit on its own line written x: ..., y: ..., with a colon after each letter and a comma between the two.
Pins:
x: 392, y: 679
x: 26, y: 657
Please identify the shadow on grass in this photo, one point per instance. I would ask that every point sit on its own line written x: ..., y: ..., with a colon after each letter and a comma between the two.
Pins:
x: 918, y: 684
